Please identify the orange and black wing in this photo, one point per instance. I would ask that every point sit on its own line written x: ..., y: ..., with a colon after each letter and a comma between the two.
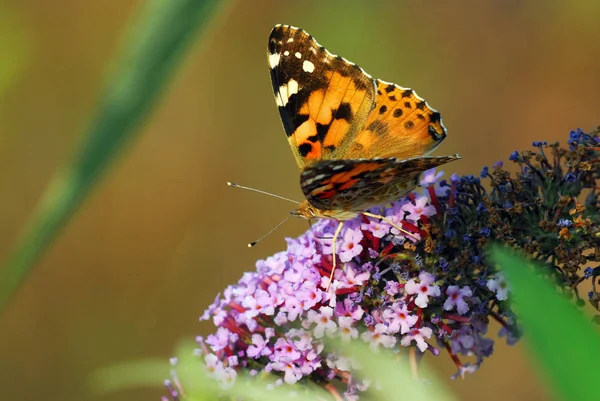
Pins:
x: 356, y: 185
x: 402, y: 125
x: 323, y: 99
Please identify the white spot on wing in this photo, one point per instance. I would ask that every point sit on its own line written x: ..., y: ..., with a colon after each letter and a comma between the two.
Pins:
x: 308, y: 66
x: 285, y: 91
x: 278, y: 101
x: 298, y: 55
x: 292, y: 87
x: 290, y: 40
x: 274, y: 59
x: 286, y: 53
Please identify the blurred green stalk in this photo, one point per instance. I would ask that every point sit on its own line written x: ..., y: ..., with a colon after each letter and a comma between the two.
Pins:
x: 155, y: 44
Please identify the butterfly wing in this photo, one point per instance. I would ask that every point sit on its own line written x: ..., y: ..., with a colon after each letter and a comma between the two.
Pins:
x: 355, y: 185
x: 349, y: 133
x: 323, y: 100
x: 402, y: 125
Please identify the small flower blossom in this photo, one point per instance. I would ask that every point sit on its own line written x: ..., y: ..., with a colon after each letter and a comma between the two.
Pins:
x: 346, y: 328
x: 423, y: 289
x: 499, y: 286
x: 379, y: 336
x: 350, y: 245
x: 588, y: 272
x: 353, y: 278
x: 399, y: 318
x: 258, y: 347
x: 221, y: 339
x: 456, y: 298
x: 418, y: 336
x: 323, y: 319
x: 430, y: 177
x: 420, y: 208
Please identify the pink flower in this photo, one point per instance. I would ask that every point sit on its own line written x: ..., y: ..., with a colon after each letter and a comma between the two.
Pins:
x: 352, y: 279
x: 456, y: 297
x: 379, y: 336
x: 399, y: 318
x: 430, y: 177
x: 347, y: 331
x: 423, y: 289
x: 378, y: 228
x: 259, y: 347
x: 419, y: 336
x: 221, y: 339
x: 285, y: 350
x: 350, y: 245
x: 420, y: 208
x: 323, y: 320
x: 291, y: 372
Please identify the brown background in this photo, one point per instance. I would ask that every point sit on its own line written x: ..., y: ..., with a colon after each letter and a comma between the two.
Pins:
x: 162, y: 234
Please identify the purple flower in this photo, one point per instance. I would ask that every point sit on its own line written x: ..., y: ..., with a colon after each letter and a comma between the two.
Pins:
x: 418, y: 335
x: 456, y: 298
x: 323, y: 320
x: 430, y: 177
x: 399, y: 318
x: 418, y: 209
x: 433, y: 292
x: 259, y: 346
x: 423, y: 289
x: 350, y: 245
x: 379, y: 336
x: 353, y: 278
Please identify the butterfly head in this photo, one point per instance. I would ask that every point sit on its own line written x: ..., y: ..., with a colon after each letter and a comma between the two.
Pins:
x: 305, y: 211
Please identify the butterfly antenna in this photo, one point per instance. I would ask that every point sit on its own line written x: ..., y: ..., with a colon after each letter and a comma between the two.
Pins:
x: 231, y: 184
x: 250, y: 245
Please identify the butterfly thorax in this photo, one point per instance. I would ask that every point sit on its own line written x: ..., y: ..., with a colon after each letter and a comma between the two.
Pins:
x: 307, y: 211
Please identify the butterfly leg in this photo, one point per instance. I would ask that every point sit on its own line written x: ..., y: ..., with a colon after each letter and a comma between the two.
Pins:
x: 390, y: 223
x: 334, y: 252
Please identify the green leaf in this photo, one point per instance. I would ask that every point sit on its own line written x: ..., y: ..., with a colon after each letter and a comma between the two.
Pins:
x: 155, y: 44
x: 129, y: 375
x: 563, y: 341
x: 393, y: 374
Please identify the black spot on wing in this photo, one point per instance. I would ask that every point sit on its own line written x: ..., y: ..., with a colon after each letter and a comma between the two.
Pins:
x: 322, y: 130
x: 344, y: 112
x: 304, y: 149
x: 436, y: 136
x: 378, y: 127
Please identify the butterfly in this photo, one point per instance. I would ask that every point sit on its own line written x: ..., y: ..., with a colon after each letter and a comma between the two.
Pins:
x: 359, y: 142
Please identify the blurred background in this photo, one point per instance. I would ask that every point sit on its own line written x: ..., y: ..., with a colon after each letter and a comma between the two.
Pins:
x: 162, y: 234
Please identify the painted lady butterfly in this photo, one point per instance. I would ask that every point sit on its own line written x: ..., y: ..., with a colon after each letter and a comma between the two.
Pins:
x: 359, y: 142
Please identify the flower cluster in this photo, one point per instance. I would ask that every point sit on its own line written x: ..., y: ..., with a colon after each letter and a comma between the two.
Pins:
x: 428, y: 288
